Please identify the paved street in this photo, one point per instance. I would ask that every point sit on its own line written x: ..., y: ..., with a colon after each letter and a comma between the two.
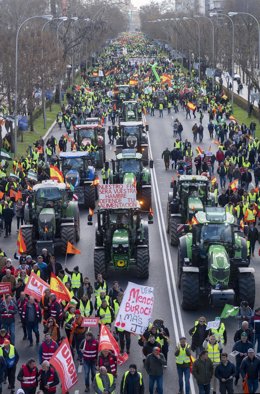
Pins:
x: 163, y: 265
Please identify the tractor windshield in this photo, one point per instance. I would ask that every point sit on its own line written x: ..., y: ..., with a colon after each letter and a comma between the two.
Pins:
x: 216, y: 233
x: 86, y: 133
x: 194, y: 190
x: 129, y: 165
x: 131, y: 130
x: 72, y: 163
x: 48, y: 194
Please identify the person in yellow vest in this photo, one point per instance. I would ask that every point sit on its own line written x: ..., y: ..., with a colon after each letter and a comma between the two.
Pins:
x: 183, y: 354
x: 220, y: 333
x: 103, y: 296
x: 76, y: 279
x: 69, y: 320
x: 106, y: 314
x: 11, y: 359
x: 132, y: 381
x: 36, y: 270
x: 99, y: 285
x: 198, y: 335
x: 85, y: 306
x: 252, y: 196
x: 229, y: 208
x: 250, y: 214
x: 214, y: 349
x: 63, y: 277
x: 104, y: 382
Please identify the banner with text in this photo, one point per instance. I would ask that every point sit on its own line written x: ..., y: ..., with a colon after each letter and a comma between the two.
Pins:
x: 136, y: 309
x: 117, y: 196
x: 35, y: 286
x: 62, y: 361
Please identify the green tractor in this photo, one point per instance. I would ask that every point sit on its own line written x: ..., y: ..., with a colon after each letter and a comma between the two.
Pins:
x: 51, y: 219
x: 133, y: 135
x: 131, y: 111
x: 128, y: 168
x: 213, y: 262
x: 190, y: 194
x: 92, y: 135
x: 122, y: 242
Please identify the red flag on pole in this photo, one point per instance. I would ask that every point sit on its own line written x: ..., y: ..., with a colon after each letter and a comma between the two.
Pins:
x: 62, y: 361
x: 108, y: 342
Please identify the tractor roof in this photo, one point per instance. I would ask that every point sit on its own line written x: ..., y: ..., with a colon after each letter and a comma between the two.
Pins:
x: 193, y: 178
x: 92, y: 120
x: 73, y: 154
x: 49, y: 184
x: 88, y: 126
x: 215, y: 215
x: 131, y: 124
x: 130, y: 101
x: 129, y: 154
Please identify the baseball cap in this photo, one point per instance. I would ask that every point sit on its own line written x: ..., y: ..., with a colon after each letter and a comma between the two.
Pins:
x: 250, y: 350
x: 28, y: 256
x: 244, y: 334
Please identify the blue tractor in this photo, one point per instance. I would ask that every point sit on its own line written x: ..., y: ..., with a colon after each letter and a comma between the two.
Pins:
x: 80, y: 176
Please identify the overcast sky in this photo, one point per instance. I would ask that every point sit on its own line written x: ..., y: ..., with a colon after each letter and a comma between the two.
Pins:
x: 139, y: 3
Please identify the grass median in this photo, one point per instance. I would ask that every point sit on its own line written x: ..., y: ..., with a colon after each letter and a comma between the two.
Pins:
x: 242, y: 117
x: 29, y: 137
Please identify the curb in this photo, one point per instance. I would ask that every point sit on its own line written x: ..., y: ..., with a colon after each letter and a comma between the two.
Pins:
x: 49, y: 131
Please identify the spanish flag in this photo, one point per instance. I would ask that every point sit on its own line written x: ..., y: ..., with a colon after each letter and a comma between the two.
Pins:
x: 213, y: 180
x: 71, y: 249
x: 191, y: 106
x: 234, y: 185
x: 21, y: 243
x: 58, y: 288
x: 56, y: 174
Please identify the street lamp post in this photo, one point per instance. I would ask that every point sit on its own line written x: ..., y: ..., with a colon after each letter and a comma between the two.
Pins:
x: 233, y: 49
x: 231, y: 13
x: 48, y: 17
x: 213, y: 44
x: 195, y: 20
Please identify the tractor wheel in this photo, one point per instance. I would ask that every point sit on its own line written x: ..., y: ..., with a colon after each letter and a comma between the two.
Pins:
x: 174, y: 222
x: 168, y: 218
x: 90, y: 196
x: 67, y: 234
x: 146, y: 196
x: 28, y: 237
x: 77, y: 229
x: 246, y: 288
x: 182, y: 254
x: 100, y: 262
x: 100, y: 162
x: 145, y: 156
x: 142, y: 263
x: 190, y: 291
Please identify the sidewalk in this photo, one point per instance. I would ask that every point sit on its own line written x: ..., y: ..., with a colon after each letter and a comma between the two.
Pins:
x: 243, y: 93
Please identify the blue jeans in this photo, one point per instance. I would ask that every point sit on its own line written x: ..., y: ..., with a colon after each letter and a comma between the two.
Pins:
x: 32, y: 327
x: 222, y: 179
x: 10, y: 328
x: 252, y: 385
x: 204, y: 388
x: 159, y: 382
x: 186, y: 373
x: 89, y: 365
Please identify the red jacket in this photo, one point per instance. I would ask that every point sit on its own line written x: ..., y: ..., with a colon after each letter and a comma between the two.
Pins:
x: 110, y: 362
x: 28, y: 377
x: 46, y: 351
x: 220, y: 156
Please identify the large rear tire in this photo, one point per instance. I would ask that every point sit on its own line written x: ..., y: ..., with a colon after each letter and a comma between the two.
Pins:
x: 174, y: 222
x: 100, y: 262
x: 145, y: 156
x: 90, y: 196
x: 77, y: 229
x: 67, y: 234
x: 100, y: 162
x: 146, y: 195
x: 28, y: 236
x: 190, y: 291
x: 142, y: 263
x: 246, y: 288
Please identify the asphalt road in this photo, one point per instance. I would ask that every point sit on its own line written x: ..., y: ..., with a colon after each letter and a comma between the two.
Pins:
x: 163, y: 264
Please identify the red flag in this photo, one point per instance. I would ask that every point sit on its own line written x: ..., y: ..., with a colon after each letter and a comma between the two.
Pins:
x: 71, y: 249
x: 56, y: 174
x: 62, y: 361
x: 18, y: 195
x: 21, y: 243
x: 108, y: 342
x: 35, y: 286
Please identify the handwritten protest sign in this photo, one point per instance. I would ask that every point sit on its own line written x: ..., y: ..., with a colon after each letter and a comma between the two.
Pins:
x: 136, y: 308
x: 213, y: 325
x: 117, y: 196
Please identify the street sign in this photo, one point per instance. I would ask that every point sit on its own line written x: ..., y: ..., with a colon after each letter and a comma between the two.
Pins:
x: 117, y: 196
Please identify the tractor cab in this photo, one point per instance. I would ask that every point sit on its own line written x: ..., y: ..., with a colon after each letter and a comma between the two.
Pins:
x: 131, y: 111
x: 133, y: 135
x: 91, y: 138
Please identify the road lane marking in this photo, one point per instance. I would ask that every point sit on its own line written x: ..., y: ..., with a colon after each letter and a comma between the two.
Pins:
x: 168, y: 263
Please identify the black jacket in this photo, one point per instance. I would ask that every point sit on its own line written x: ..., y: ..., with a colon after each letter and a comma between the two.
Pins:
x: 225, y: 371
x: 238, y: 333
x: 8, y: 214
x: 241, y: 347
x: 251, y: 368
x: 198, y: 335
x: 132, y: 384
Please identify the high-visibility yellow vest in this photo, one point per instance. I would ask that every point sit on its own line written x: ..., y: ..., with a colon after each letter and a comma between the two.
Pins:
x: 65, y: 279
x: 100, y: 383
x: 84, y: 310
x: 229, y: 208
x: 213, y: 352
x: 252, y: 197
x: 182, y: 358
x: 107, y: 319
x: 75, y: 280
x: 250, y: 215
x: 125, y: 376
x: 103, y: 288
x: 69, y: 317
x: 99, y: 301
x: 219, y: 333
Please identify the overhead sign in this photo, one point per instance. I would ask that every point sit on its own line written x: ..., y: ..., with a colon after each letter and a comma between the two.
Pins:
x: 136, y: 309
x: 117, y: 196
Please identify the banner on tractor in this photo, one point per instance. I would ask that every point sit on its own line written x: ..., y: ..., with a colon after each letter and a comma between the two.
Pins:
x: 117, y: 196
x: 135, y: 312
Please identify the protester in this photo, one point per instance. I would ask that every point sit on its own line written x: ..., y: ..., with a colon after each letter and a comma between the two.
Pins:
x: 154, y: 367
